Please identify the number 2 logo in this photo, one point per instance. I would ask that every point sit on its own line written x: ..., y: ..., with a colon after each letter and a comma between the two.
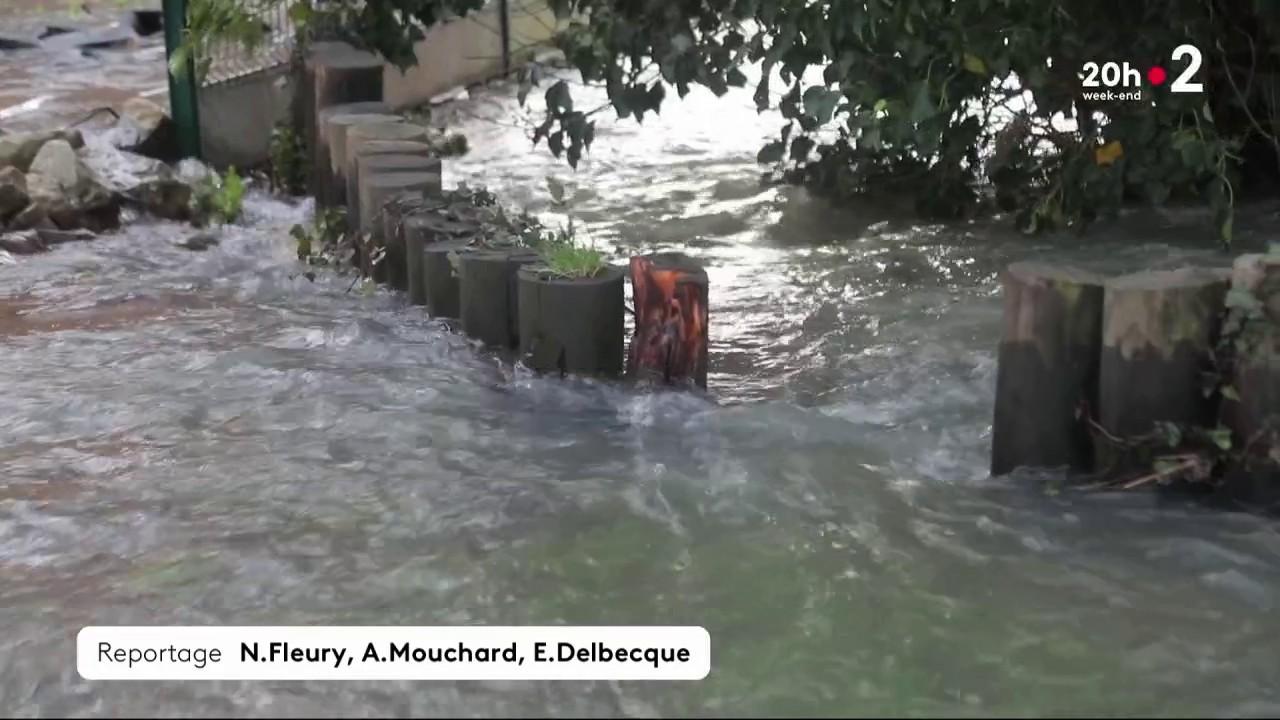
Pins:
x: 1183, y: 84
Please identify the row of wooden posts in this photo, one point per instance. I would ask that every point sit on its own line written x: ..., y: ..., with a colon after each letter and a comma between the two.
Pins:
x: 373, y: 162
x: 1088, y: 363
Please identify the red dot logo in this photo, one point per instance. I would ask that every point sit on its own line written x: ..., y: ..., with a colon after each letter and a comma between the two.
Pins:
x: 1157, y: 75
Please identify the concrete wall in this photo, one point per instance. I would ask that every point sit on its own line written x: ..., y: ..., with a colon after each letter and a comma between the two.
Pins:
x: 237, y: 117
x: 467, y: 51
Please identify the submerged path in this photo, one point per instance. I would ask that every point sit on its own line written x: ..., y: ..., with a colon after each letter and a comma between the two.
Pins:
x: 210, y: 438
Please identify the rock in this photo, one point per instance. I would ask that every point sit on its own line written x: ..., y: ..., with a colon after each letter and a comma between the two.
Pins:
x: 165, y: 198
x: 51, y: 30
x: 146, y: 22
x: 13, y: 192
x: 57, y: 163
x: 199, y: 242
x: 11, y: 42
x: 52, y: 236
x: 112, y: 37
x: 34, y: 216
x: 88, y: 204
x: 22, y: 243
x: 153, y: 131
x: 20, y: 149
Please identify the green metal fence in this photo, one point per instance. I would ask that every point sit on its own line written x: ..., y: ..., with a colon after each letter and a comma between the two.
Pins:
x: 229, y: 61
x: 226, y: 61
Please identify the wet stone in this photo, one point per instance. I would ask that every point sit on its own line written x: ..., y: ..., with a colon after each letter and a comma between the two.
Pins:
x: 13, y: 192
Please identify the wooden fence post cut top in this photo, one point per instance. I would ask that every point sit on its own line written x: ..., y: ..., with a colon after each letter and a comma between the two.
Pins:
x: 1157, y: 311
x: 671, y: 337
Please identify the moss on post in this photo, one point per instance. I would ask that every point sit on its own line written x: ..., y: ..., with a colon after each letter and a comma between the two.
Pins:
x: 1159, y: 330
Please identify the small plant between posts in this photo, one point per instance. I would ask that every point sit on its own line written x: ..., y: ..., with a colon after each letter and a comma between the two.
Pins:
x: 289, y: 159
x: 218, y: 199
x: 562, y: 253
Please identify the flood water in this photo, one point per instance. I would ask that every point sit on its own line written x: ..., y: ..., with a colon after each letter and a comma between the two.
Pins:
x: 210, y: 438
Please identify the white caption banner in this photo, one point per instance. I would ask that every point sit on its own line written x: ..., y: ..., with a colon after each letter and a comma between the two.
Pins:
x: 393, y: 653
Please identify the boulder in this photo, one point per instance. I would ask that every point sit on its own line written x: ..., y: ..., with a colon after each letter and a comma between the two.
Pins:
x: 111, y: 37
x: 22, y: 243
x: 199, y: 242
x: 33, y: 217
x: 13, y: 193
x: 165, y: 198
x: 20, y: 149
x: 148, y: 130
x: 84, y: 204
x: 13, y: 42
x: 57, y: 164
x: 146, y: 22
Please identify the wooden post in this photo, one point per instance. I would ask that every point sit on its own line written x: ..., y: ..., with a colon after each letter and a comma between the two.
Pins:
x: 321, y: 180
x: 338, y: 127
x: 1158, y: 334
x: 488, y: 294
x: 441, y: 287
x: 335, y: 73
x: 671, y: 335
x: 571, y: 325
x: 359, y: 135
x: 1047, y: 378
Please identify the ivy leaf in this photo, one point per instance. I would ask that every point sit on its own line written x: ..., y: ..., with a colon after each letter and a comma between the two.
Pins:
x: 1221, y: 437
x: 556, y: 188
x: 558, y: 98
x: 771, y: 153
x: 922, y: 107
x: 735, y: 78
x: 1229, y: 393
x: 820, y: 103
x: 974, y: 64
x: 574, y: 154
x: 556, y: 142
x: 800, y: 148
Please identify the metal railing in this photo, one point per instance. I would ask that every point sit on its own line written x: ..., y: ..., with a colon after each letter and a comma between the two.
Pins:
x: 230, y: 60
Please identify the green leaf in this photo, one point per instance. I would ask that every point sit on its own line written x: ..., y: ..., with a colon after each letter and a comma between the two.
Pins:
x: 1229, y: 393
x: 974, y: 64
x: 556, y: 142
x: 922, y: 107
x: 820, y: 103
x: 801, y: 147
x: 736, y: 78
x: 771, y: 153
x: 1221, y: 437
x: 556, y: 188
x: 558, y: 98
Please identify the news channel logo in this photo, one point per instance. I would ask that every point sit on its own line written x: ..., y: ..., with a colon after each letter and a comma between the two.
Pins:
x: 1113, y: 80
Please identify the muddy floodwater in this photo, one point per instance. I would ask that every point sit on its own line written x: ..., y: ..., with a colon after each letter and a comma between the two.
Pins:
x: 212, y: 439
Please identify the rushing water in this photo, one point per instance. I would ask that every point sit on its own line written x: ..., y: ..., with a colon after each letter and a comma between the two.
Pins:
x: 210, y: 438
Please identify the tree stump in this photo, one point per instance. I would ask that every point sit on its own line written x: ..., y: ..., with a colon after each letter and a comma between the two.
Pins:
x: 359, y: 135
x: 321, y: 180
x: 1047, y: 377
x: 338, y: 126
x: 1252, y: 409
x: 670, y: 341
x: 1158, y: 334
x: 488, y: 294
x: 571, y: 325
x: 335, y: 73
